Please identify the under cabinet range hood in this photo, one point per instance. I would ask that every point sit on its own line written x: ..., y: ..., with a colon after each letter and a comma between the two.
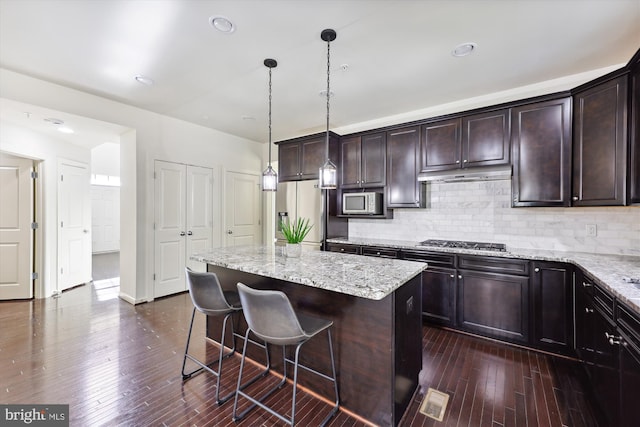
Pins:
x: 486, y: 173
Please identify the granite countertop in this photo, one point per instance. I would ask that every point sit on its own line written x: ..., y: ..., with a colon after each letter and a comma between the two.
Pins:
x: 366, y: 277
x: 609, y: 271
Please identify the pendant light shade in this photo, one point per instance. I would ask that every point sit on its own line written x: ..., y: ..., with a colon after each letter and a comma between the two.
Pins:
x: 328, y: 171
x: 269, y: 176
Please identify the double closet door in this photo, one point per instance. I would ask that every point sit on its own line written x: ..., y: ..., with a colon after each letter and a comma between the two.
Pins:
x: 183, y: 222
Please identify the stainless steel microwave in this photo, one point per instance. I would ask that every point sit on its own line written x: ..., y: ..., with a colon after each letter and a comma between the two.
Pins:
x: 369, y: 203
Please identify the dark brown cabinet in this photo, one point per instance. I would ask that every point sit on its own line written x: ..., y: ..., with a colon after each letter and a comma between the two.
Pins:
x: 600, y: 143
x: 634, y: 140
x: 552, y: 311
x: 470, y: 141
x: 438, y: 286
x: 492, y: 300
x: 301, y: 158
x: 363, y: 160
x: 380, y: 252
x: 344, y: 248
x: 629, y: 339
x: 541, y: 145
x: 403, y: 148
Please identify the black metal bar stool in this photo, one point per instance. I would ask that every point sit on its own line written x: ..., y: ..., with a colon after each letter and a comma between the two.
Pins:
x: 209, y: 298
x: 271, y: 318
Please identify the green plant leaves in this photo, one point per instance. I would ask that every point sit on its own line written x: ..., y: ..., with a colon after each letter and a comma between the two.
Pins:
x: 296, y: 232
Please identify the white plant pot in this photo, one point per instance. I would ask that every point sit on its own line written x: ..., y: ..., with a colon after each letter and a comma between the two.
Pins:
x: 293, y: 250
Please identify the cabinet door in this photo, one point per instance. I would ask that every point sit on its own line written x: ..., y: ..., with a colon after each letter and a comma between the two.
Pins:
x: 605, y: 379
x: 583, y: 319
x: 494, y: 305
x: 403, y: 188
x: 440, y: 146
x: 350, y: 158
x: 541, y: 142
x: 312, y: 157
x: 629, y: 385
x: 552, y: 307
x: 289, y: 162
x: 374, y: 153
x: 438, y: 295
x: 634, y: 142
x: 600, y: 144
x: 485, y: 139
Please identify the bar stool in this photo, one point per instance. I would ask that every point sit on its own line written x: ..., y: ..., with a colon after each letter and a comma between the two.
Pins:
x: 271, y: 318
x: 209, y: 298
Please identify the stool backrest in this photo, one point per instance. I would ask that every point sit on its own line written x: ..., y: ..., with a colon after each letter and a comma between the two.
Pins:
x: 270, y: 316
x: 206, y: 292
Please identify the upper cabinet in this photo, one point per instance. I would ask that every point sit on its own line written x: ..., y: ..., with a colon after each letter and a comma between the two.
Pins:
x: 600, y: 143
x: 470, y: 141
x: 301, y: 158
x: 363, y: 161
x: 634, y: 140
x: 541, y: 144
x: 403, y: 148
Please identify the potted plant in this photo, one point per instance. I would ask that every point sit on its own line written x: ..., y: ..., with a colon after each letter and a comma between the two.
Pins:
x: 295, y: 233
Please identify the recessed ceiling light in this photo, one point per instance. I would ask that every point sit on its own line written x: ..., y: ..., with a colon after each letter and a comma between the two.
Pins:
x: 65, y: 129
x: 222, y: 24
x: 464, y: 49
x: 144, y: 80
x: 54, y: 121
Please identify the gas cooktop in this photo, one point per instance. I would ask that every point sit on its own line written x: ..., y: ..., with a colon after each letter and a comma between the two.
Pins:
x: 479, y: 246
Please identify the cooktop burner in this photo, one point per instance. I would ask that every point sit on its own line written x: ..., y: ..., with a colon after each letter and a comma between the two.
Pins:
x: 480, y: 246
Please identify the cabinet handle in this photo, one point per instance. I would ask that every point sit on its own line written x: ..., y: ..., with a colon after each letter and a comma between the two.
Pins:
x: 586, y: 285
x: 453, y: 275
x: 182, y: 233
x: 457, y: 161
x: 613, y: 340
x: 341, y: 249
x: 377, y: 253
x: 575, y: 198
x: 588, y: 310
x: 459, y: 276
x: 465, y: 161
x: 536, y: 269
x: 189, y: 233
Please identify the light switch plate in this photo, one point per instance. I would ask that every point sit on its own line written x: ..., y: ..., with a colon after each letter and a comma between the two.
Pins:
x: 592, y: 230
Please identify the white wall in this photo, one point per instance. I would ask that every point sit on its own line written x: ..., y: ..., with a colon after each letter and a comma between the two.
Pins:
x: 105, y: 159
x: 481, y: 211
x: 153, y: 137
x: 33, y: 145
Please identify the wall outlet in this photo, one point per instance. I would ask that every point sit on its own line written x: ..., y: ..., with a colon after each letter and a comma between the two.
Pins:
x: 592, y: 230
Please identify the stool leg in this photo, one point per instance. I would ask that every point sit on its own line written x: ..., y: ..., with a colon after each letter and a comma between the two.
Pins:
x: 221, y: 356
x: 335, y: 381
x: 186, y: 350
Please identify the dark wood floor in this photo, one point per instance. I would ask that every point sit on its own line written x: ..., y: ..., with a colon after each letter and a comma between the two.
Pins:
x: 119, y: 365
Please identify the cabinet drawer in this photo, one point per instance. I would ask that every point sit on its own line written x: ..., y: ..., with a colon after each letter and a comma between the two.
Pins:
x: 379, y: 252
x: 431, y: 258
x: 601, y: 298
x: 494, y: 265
x: 629, y: 323
x: 346, y: 249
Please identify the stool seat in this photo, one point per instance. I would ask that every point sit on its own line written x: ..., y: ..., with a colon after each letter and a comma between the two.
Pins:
x: 271, y: 318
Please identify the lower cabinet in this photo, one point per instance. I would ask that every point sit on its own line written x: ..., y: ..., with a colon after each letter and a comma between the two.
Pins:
x: 552, y: 308
x: 494, y: 305
x: 438, y: 286
x: 629, y: 344
x: 344, y: 248
x: 380, y: 252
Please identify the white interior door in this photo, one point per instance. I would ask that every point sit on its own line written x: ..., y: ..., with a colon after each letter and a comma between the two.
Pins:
x: 105, y: 218
x: 170, y: 228
x: 74, y: 224
x: 16, y: 216
x: 242, y: 209
x: 199, y: 213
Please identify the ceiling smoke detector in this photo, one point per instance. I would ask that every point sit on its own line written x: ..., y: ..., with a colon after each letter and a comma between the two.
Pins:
x: 222, y: 24
x: 464, y: 49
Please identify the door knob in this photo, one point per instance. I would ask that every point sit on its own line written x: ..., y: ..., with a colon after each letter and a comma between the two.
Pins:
x: 229, y: 232
x: 182, y: 233
x: 189, y: 233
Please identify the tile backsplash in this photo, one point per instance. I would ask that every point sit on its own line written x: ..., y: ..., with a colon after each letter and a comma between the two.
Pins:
x: 481, y: 211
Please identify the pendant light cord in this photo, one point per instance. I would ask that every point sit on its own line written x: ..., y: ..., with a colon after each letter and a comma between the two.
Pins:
x: 269, y: 116
x: 328, y: 93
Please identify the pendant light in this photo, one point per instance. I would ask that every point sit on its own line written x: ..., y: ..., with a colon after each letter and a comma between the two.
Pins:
x: 328, y: 171
x: 269, y: 176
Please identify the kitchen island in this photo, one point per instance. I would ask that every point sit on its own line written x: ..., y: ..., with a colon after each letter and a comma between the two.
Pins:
x: 374, y: 304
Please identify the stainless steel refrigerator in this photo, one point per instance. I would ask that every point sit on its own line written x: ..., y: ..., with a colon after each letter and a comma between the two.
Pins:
x: 300, y: 199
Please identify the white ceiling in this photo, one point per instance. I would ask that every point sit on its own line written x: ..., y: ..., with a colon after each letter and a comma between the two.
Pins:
x: 398, y: 53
